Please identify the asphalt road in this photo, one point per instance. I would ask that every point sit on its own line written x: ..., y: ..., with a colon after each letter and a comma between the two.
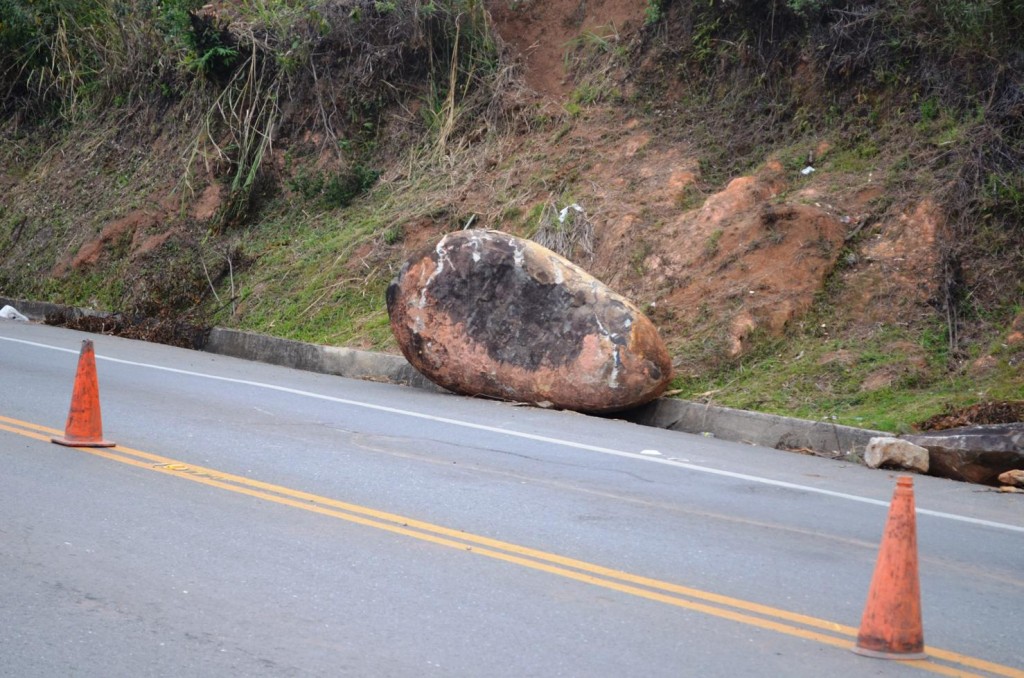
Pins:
x: 260, y: 521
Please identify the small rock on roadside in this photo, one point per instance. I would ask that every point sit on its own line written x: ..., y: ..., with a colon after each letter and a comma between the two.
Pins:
x: 896, y: 452
x: 1014, y: 478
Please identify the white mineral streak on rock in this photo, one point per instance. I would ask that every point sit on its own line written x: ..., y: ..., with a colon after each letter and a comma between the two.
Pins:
x: 613, y: 378
x: 442, y: 255
x: 557, y: 266
x: 475, y: 244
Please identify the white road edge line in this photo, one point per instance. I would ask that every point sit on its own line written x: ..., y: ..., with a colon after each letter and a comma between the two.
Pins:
x: 539, y: 438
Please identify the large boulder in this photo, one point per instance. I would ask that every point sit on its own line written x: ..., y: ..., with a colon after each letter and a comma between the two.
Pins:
x: 977, y: 454
x: 487, y: 313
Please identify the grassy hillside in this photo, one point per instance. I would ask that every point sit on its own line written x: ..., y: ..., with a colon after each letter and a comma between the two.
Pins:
x: 268, y: 165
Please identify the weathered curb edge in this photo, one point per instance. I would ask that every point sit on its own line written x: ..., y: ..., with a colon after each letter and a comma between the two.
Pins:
x: 754, y: 428
x: 341, y: 362
x: 38, y: 310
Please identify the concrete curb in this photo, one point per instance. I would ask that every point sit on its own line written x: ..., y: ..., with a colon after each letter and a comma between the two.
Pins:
x: 341, y: 362
x: 38, y: 310
x: 754, y: 428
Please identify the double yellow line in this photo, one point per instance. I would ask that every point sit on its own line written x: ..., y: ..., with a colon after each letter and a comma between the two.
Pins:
x: 823, y: 631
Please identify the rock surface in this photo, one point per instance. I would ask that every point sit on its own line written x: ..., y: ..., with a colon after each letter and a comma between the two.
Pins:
x: 895, y: 452
x: 1014, y: 478
x: 977, y: 454
x: 487, y: 313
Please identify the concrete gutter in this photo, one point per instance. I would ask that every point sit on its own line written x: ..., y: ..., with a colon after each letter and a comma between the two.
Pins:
x: 754, y: 428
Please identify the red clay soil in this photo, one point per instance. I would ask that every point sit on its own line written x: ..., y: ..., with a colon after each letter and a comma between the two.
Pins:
x: 541, y: 32
x: 751, y: 258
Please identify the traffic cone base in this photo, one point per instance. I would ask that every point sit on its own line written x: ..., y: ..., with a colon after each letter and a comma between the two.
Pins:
x: 877, y: 654
x: 85, y: 426
x: 891, y: 626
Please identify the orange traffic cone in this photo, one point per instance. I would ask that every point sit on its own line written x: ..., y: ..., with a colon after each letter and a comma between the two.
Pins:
x: 891, y: 625
x: 85, y: 426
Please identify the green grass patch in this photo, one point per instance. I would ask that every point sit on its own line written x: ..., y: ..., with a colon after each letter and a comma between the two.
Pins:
x: 322, y: 277
x: 305, y: 287
x: 887, y: 381
x: 98, y: 289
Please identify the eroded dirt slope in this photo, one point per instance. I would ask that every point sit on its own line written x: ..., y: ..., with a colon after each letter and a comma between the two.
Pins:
x: 581, y: 167
x: 726, y: 265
